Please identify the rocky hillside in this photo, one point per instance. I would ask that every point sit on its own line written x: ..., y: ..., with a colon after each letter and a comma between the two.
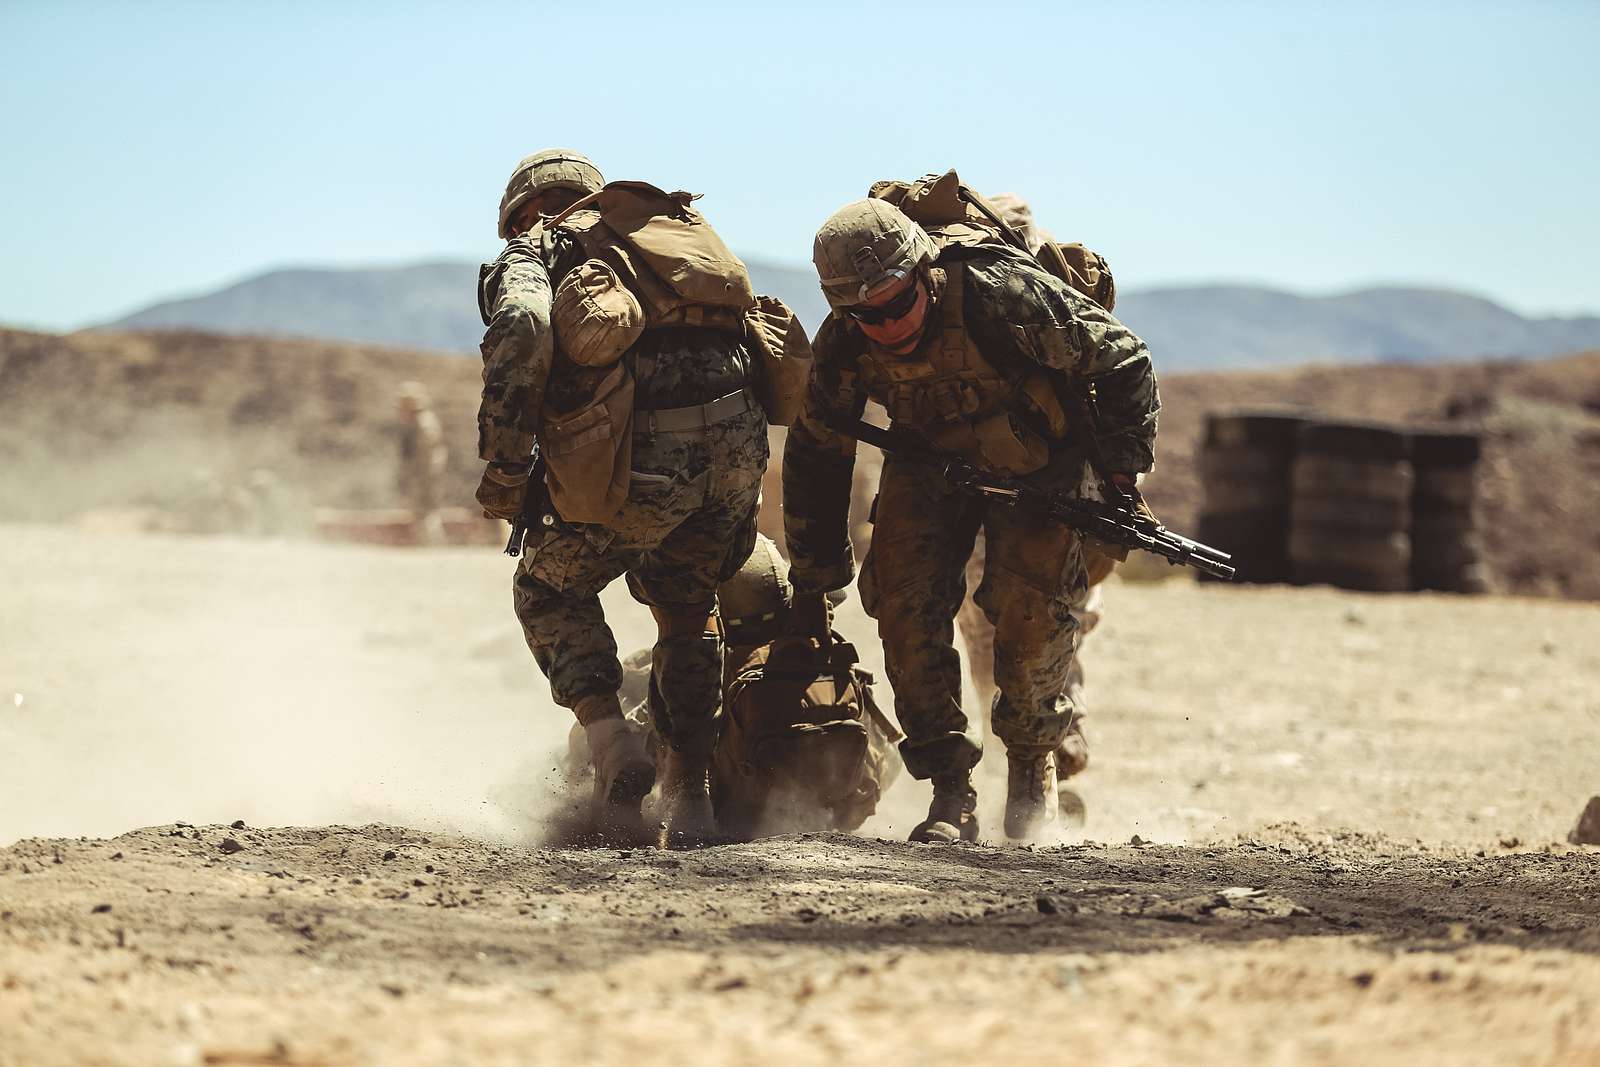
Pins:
x: 99, y: 419
x: 431, y: 305
x: 428, y: 305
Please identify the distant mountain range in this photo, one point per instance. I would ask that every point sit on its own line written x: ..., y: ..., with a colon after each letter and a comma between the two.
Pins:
x: 432, y: 305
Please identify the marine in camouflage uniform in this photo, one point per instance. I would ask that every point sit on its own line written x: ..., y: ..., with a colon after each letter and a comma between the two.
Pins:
x: 698, y: 453
x: 976, y: 631
x: 897, y: 299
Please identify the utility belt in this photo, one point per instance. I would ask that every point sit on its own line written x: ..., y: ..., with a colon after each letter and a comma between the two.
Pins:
x: 589, y: 453
x: 694, y: 418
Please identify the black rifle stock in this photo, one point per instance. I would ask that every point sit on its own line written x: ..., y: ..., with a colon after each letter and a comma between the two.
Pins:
x: 1115, y: 523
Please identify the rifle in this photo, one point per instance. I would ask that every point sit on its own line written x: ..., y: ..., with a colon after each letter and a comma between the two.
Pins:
x: 534, y: 499
x: 1116, y: 523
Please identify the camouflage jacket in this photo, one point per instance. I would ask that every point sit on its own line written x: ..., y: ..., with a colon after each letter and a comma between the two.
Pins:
x: 522, y: 374
x: 1003, y: 290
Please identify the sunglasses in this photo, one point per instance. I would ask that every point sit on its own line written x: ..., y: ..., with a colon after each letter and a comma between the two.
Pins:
x: 898, y: 308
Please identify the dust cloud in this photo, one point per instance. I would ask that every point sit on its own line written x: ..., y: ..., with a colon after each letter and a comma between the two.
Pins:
x: 155, y: 679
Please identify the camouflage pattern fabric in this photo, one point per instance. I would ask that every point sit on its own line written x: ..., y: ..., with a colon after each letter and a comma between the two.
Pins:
x: 688, y: 524
x: 1015, y: 312
x: 518, y: 349
x: 672, y: 367
x: 977, y: 634
x: 689, y: 521
x: 913, y: 580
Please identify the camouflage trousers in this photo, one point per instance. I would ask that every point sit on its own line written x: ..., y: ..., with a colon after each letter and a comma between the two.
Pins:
x: 913, y: 583
x: 688, y: 525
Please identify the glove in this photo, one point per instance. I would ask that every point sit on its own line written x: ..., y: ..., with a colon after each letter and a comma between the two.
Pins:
x: 1129, y: 486
x: 501, y: 490
x: 810, y: 616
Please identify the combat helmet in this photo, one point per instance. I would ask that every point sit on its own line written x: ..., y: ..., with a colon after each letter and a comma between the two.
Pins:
x: 754, y: 604
x: 554, y: 168
x: 863, y: 245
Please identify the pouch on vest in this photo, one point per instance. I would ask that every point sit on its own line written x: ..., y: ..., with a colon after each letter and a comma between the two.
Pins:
x: 596, y: 318
x: 785, y: 353
x: 674, y: 241
x: 588, y: 452
x: 803, y: 742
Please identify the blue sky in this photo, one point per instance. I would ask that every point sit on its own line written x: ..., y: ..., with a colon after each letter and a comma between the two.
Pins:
x: 157, y: 149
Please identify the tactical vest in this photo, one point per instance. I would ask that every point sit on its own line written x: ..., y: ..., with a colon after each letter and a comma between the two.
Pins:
x: 950, y: 393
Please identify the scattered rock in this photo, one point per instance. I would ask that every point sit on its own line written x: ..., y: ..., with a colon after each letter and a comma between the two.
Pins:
x: 1137, y: 842
x: 1047, y: 904
x: 389, y: 855
x: 230, y: 846
x: 237, y: 824
x: 100, y: 909
x: 1259, y: 904
x: 1587, y: 832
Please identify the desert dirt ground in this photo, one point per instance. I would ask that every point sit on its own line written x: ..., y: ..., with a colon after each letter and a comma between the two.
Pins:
x: 274, y: 803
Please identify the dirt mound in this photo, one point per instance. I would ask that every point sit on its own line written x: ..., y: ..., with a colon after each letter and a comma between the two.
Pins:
x: 176, y: 419
x: 231, y: 944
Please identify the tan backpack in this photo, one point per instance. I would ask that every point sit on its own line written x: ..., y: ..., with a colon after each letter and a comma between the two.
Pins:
x: 803, y: 745
x: 784, y: 351
x: 665, y: 252
x: 935, y: 202
x: 649, y: 252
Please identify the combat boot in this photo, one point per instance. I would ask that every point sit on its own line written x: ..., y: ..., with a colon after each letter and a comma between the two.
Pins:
x: 686, y: 793
x: 1032, y: 802
x: 623, y: 770
x: 953, y: 814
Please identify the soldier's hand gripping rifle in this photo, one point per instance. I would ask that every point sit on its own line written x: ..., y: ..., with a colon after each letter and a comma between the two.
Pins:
x: 1117, y: 523
x: 534, y: 499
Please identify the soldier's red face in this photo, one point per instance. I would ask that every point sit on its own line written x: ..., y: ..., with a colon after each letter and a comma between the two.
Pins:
x: 900, y: 308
